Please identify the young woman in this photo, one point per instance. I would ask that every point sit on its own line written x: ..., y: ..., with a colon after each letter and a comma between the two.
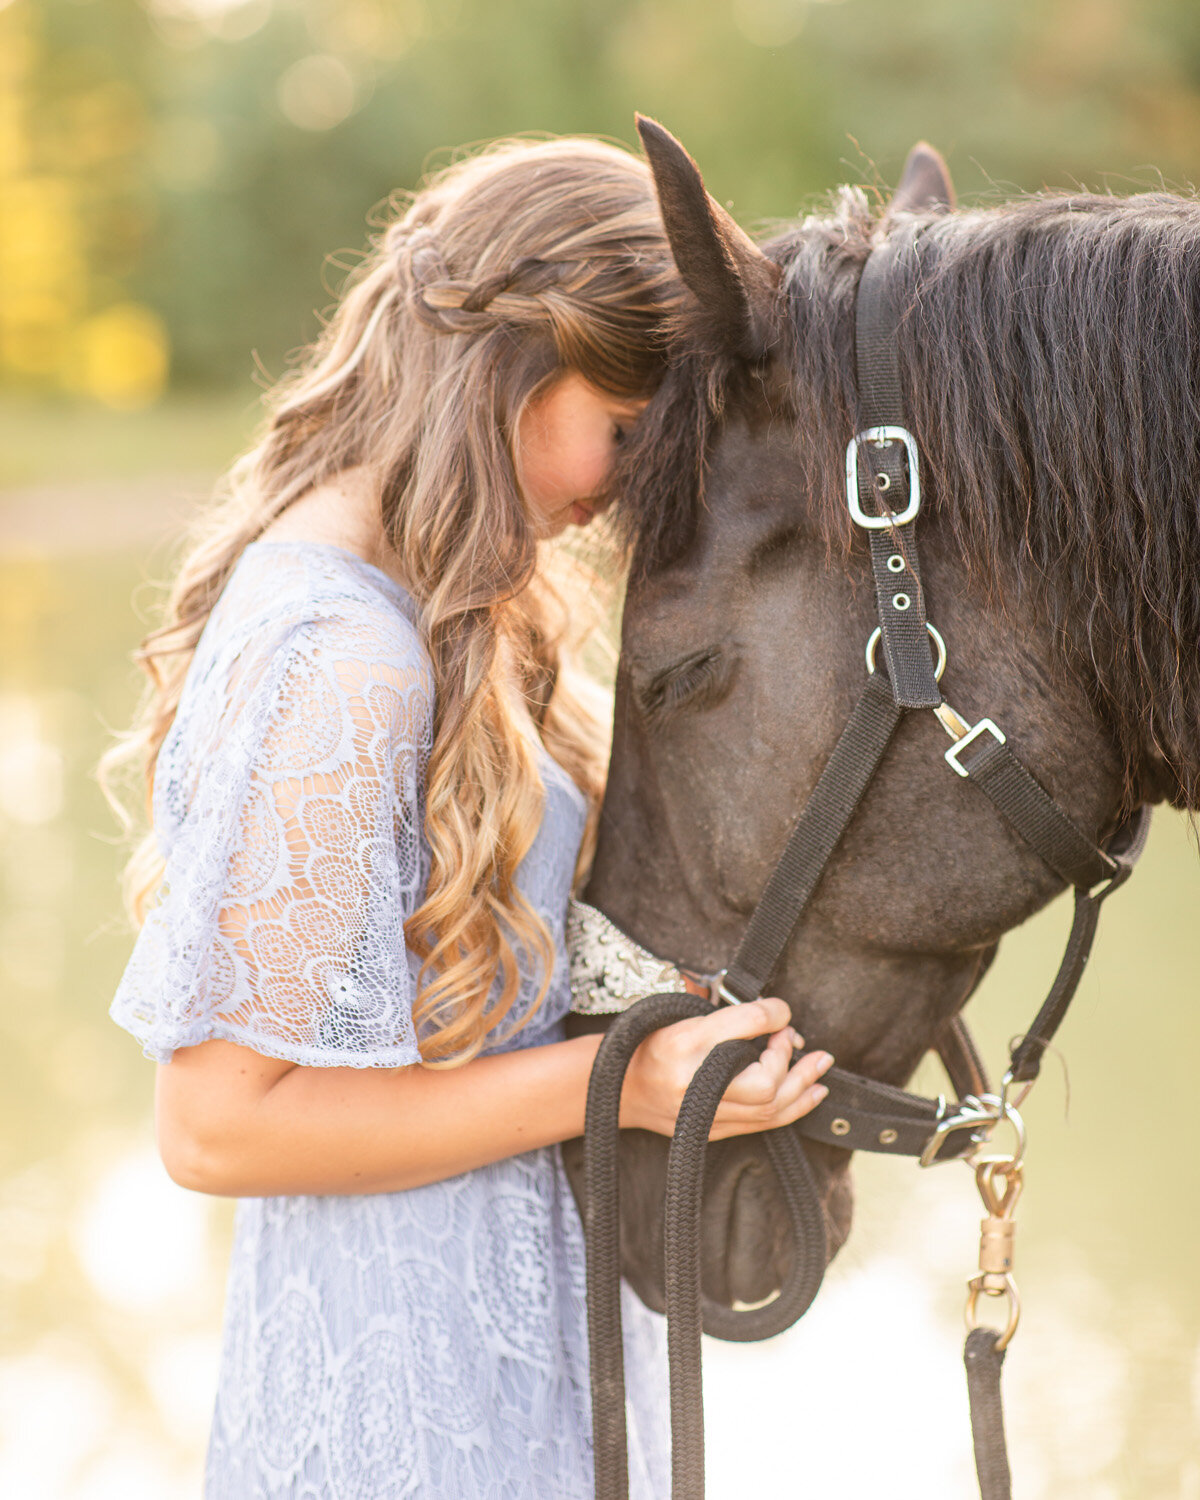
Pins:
x: 372, y: 774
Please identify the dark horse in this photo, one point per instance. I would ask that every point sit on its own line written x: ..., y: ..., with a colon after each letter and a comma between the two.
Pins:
x: 1050, y: 360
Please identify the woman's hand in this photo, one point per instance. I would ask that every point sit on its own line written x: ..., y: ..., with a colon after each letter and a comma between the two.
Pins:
x: 771, y: 1092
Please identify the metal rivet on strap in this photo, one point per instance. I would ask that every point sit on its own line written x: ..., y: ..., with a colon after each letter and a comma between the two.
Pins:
x: 883, y: 482
x: 896, y: 563
x: 887, y: 1137
x: 840, y: 1126
x: 900, y: 601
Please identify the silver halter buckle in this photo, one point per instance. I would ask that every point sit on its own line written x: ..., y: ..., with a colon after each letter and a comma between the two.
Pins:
x: 978, y: 1114
x: 881, y: 437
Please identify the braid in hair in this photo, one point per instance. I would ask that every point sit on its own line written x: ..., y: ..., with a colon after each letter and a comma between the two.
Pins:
x: 448, y: 304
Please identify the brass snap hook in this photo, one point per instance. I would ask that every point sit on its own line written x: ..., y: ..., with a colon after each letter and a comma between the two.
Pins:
x: 1003, y: 1286
x: 999, y: 1180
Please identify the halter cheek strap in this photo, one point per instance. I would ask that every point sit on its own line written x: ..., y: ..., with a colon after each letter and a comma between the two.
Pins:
x: 883, y: 482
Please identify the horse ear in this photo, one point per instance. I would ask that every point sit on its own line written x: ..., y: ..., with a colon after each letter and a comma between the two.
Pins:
x: 925, y: 185
x: 732, y: 279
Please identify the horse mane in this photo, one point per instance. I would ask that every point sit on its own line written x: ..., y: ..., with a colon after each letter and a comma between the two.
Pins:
x: 1051, y: 365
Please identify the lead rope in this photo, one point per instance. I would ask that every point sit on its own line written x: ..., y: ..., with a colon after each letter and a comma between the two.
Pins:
x: 983, y: 1356
x: 818, y: 830
x: 860, y: 1114
x: 687, y: 1308
x: 682, y: 1251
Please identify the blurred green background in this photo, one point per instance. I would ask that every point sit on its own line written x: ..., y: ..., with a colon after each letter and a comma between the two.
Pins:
x: 182, y: 185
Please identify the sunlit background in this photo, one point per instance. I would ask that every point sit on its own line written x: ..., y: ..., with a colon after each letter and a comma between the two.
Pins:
x: 174, y: 178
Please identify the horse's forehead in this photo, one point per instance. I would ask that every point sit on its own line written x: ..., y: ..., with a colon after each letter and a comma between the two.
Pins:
x: 748, y: 460
x: 754, y: 470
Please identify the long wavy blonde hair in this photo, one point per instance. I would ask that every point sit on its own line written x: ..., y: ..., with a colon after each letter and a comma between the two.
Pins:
x: 507, y: 268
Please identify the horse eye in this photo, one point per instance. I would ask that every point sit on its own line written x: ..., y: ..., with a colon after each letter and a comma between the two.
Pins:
x: 698, y: 681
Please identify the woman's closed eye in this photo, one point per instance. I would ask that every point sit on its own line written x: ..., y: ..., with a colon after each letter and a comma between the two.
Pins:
x: 624, y: 422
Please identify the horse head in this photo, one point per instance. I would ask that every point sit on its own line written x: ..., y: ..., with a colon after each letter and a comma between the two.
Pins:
x: 1059, y: 567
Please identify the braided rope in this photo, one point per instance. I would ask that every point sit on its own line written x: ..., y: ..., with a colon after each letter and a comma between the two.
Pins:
x: 688, y: 1309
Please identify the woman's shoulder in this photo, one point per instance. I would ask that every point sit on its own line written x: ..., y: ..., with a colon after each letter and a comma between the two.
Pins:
x: 282, y: 591
x: 306, y: 610
x: 305, y: 645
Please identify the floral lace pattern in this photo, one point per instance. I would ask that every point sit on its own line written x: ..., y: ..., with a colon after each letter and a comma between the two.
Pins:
x: 429, y: 1343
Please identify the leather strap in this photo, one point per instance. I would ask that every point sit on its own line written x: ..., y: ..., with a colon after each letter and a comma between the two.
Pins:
x: 1017, y: 794
x: 816, y: 834
x: 884, y: 481
x: 1125, y: 849
x: 961, y: 1059
x: 862, y: 1114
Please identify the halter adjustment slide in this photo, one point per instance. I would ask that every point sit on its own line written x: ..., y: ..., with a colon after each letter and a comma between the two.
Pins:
x: 985, y: 726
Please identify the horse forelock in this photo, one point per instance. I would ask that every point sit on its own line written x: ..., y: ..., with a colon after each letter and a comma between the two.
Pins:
x: 1050, y: 356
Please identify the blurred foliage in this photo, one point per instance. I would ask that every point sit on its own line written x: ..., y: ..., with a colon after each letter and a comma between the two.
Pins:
x: 42, y: 441
x: 174, y: 173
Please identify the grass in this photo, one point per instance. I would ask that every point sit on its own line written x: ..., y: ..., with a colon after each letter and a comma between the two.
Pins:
x: 64, y: 442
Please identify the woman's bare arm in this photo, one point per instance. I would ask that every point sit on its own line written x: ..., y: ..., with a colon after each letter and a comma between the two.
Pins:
x: 358, y: 1130
x: 238, y: 1124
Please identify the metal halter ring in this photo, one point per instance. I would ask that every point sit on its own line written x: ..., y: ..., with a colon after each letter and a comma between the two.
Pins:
x: 877, y: 635
x: 994, y: 1286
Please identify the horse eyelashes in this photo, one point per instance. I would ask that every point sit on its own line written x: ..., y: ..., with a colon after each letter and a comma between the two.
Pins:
x: 697, y: 682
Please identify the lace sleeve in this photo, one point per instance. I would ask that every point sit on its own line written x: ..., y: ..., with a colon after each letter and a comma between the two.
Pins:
x: 295, y: 855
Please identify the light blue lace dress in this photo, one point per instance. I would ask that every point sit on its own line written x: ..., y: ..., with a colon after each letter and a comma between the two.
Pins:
x: 430, y: 1343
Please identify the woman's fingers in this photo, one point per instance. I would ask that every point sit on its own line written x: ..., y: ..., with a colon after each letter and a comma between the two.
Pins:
x: 799, y: 1092
x: 664, y: 1064
x: 752, y: 1019
x: 759, y: 1082
x: 802, y: 1090
x: 805, y: 1071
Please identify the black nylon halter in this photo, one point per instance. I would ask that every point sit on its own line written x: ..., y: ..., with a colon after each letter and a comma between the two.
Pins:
x: 883, y: 493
